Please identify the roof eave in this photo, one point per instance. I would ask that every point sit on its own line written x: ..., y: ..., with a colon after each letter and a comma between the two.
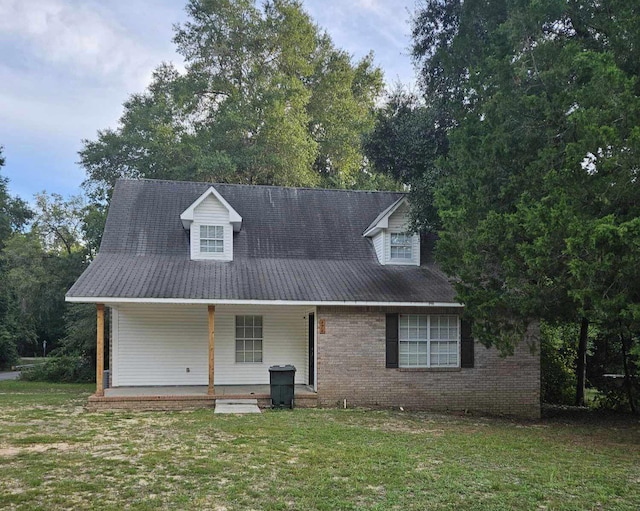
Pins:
x: 382, y: 220
x: 219, y: 301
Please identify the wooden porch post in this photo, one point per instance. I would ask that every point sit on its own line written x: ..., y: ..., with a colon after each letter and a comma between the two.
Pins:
x: 212, y: 343
x: 100, y: 351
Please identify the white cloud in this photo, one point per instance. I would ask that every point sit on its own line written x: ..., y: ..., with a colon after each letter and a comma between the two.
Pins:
x: 80, y: 36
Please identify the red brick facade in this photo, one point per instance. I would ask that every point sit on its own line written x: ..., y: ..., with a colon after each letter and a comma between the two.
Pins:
x: 351, y: 365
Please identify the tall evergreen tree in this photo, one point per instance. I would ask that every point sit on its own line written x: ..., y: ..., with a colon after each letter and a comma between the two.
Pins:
x: 539, y: 199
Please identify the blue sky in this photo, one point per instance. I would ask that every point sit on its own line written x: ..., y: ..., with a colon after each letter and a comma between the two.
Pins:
x: 66, y: 67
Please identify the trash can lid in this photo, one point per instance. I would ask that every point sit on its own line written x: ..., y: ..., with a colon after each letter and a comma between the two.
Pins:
x: 282, y: 368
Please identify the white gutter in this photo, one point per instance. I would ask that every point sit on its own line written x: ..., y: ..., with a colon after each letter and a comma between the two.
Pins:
x: 111, y: 299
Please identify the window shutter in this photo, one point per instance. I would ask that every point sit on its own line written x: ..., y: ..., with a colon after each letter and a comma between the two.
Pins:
x: 392, y: 340
x: 467, y: 344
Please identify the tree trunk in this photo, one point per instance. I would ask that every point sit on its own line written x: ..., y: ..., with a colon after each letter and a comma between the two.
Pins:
x: 627, y: 377
x: 581, y: 362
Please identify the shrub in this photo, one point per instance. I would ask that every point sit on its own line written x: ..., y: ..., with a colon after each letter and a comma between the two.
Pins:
x: 614, y: 394
x: 557, y: 356
x: 62, y: 369
x: 8, y: 351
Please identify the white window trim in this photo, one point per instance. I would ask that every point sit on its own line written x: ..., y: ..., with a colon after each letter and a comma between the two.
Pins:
x: 207, y: 238
x: 408, y: 244
x: 236, y: 339
x: 429, y: 366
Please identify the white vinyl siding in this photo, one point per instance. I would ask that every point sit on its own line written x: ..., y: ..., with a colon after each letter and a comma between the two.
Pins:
x: 211, y: 213
x: 399, y: 223
x: 155, y: 344
x: 429, y: 341
x: 284, y: 333
x: 378, y: 245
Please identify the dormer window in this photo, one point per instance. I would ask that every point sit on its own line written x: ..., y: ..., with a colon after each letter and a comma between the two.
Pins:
x: 401, y: 244
x: 211, y: 222
x: 390, y: 238
x: 211, y: 238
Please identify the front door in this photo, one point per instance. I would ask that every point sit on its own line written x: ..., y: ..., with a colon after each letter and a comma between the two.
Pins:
x: 312, y: 356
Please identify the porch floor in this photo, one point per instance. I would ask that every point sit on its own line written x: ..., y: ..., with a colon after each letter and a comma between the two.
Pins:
x: 248, y: 391
x: 190, y: 397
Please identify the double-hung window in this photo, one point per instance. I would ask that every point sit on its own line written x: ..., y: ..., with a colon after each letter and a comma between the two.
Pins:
x: 249, y: 339
x: 428, y: 340
x: 212, y: 238
x: 401, y: 246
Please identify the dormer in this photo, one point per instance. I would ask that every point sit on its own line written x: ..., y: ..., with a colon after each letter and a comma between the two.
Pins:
x: 393, y: 242
x: 211, y: 222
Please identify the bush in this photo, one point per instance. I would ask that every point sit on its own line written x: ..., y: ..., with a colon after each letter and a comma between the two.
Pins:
x: 8, y: 351
x: 614, y: 394
x: 63, y: 369
x: 557, y: 358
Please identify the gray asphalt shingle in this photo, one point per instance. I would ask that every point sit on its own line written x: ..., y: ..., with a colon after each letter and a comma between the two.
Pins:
x: 295, y: 244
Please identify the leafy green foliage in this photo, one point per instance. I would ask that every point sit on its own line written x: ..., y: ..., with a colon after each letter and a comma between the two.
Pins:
x: 14, y: 214
x: 266, y: 98
x: 36, y: 269
x: 542, y: 120
x: 405, y: 144
x: 8, y: 349
x: 62, y: 369
x: 557, y: 356
x: 537, y: 186
x: 81, y: 330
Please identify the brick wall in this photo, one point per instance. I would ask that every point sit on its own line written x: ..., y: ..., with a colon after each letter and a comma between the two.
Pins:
x: 351, y: 366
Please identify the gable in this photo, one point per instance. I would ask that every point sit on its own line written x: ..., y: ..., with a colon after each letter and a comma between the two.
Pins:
x: 211, y: 195
x: 390, y: 236
x: 210, y: 212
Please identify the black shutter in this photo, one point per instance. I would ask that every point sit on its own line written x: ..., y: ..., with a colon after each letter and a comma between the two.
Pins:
x: 466, y: 344
x: 392, y: 340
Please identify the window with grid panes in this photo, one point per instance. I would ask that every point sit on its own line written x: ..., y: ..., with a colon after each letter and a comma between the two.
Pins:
x: 400, y: 246
x: 428, y: 341
x: 248, y: 339
x: 212, y: 238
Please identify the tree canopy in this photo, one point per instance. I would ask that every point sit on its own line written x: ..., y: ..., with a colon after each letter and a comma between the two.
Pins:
x: 536, y: 187
x: 266, y: 98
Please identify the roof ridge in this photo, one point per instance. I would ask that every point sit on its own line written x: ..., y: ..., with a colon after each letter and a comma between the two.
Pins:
x: 261, y: 186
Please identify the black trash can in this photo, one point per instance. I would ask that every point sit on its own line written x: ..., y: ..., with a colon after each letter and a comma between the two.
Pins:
x: 282, y: 379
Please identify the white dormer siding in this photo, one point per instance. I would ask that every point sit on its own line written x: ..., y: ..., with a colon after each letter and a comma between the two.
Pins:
x: 211, y: 212
x: 392, y: 226
x: 378, y: 245
x: 399, y: 223
x: 213, y: 218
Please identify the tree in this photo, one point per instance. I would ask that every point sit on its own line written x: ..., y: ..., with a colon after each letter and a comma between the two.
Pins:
x: 541, y: 104
x: 266, y: 98
x: 38, y: 268
x: 60, y: 222
x: 14, y: 214
x: 405, y: 144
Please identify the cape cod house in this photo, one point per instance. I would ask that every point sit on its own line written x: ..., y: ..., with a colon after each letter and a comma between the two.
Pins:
x: 207, y: 286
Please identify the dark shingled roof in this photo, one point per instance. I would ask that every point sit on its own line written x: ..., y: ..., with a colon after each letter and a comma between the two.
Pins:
x: 295, y: 244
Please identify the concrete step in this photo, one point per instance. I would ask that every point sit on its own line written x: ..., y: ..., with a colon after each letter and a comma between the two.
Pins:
x: 236, y: 406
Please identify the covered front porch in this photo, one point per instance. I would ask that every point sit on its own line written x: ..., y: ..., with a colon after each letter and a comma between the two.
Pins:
x: 173, y: 356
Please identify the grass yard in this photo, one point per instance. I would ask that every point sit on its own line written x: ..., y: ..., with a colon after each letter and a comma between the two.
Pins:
x: 54, y: 455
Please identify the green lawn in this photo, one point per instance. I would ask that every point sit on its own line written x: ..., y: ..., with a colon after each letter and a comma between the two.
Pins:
x: 54, y: 455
